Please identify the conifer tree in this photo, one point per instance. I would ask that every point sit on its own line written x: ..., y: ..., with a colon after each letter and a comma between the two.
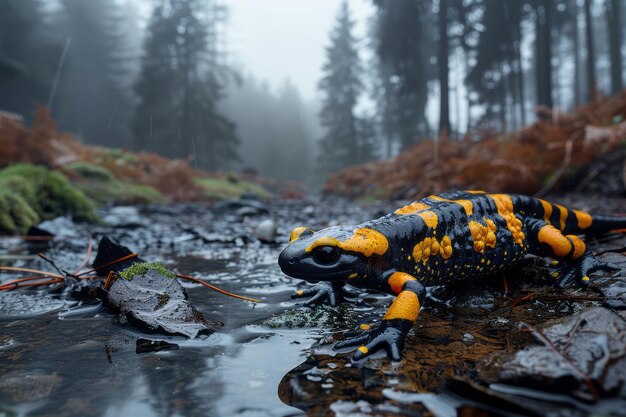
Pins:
x: 180, y: 84
x: 28, y: 54
x: 405, y: 46
x: 92, y: 101
x: 345, y: 141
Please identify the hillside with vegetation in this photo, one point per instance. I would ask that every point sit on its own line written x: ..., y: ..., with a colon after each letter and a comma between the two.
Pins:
x: 550, y: 153
x: 45, y: 173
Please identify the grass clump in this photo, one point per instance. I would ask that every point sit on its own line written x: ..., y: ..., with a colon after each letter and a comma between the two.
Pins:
x: 101, y: 186
x: 142, y: 268
x: 230, y: 187
x: 30, y: 193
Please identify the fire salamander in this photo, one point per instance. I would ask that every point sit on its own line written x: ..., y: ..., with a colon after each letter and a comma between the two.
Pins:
x: 439, y: 240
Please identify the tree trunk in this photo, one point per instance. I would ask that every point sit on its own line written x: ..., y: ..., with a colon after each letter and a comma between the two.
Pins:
x: 613, y: 14
x: 577, y: 95
x: 520, y: 72
x: 444, y: 107
x: 591, y: 64
x: 544, y: 54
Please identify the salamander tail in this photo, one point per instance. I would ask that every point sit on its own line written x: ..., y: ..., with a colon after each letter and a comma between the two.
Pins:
x: 606, y: 224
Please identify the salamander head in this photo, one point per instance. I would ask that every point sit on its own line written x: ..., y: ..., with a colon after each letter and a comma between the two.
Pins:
x: 335, y: 254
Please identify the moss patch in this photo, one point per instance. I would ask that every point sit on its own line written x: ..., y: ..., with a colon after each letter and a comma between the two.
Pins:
x: 103, y: 188
x: 29, y: 194
x: 230, y: 187
x: 141, y: 268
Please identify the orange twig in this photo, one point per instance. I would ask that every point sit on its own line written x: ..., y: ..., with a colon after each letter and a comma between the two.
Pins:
x: 23, y: 279
x: 214, y: 288
x: 34, y: 271
x: 36, y: 238
x: 524, y: 298
x: 124, y: 258
x: 6, y: 287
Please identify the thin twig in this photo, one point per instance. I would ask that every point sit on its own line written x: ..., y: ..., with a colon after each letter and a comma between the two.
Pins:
x: 214, y: 288
x: 34, y: 271
x: 122, y: 259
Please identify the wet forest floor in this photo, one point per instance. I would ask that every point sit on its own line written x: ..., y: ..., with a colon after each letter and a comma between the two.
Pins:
x: 476, y: 350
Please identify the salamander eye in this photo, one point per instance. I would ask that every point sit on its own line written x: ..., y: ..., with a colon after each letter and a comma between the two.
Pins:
x: 325, y: 255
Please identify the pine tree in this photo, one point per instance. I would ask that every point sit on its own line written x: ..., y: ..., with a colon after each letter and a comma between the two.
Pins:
x: 180, y: 84
x: 404, y: 46
x: 346, y: 140
x: 28, y: 55
x: 496, y: 75
x: 614, y: 20
x: 591, y: 54
x: 444, y: 70
x: 92, y: 100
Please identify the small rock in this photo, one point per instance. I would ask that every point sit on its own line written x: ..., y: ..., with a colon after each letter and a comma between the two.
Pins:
x: 266, y: 230
x: 124, y: 217
x: 238, y: 205
x: 147, y: 346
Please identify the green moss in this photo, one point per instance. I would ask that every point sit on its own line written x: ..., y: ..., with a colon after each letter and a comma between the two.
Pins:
x: 230, y: 187
x: 30, y: 193
x: 99, y: 184
x: 323, y: 316
x: 141, y: 268
x: 16, y: 214
x: 120, y: 156
x: 92, y: 172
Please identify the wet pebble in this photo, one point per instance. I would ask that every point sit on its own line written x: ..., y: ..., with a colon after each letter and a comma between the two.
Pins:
x: 266, y: 230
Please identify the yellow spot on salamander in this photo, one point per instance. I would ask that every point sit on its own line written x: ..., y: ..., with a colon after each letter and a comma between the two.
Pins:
x: 579, y: 246
x: 364, y: 326
x: 562, y: 216
x: 299, y: 292
x: 561, y: 246
x: 430, y: 218
x: 352, y: 276
x: 406, y: 306
x: 397, y: 280
x: 554, y: 263
x: 365, y: 241
x: 412, y: 208
x: 584, y: 219
x: 297, y: 232
x: 555, y: 274
x: 363, y: 349
x: 475, y: 191
x: 483, y: 236
x: 585, y: 278
x: 445, y: 249
x: 467, y: 204
x: 430, y: 246
x: 504, y: 204
x: 547, y: 210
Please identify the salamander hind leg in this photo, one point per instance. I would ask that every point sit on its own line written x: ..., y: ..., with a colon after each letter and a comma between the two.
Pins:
x: 574, y: 262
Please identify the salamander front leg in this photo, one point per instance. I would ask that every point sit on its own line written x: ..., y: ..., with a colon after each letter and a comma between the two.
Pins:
x: 321, y: 292
x: 396, y: 323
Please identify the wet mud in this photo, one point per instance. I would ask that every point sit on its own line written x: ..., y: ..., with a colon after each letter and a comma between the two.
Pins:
x: 510, y: 345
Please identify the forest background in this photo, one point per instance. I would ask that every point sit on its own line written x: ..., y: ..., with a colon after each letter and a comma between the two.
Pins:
x: 159, y: 76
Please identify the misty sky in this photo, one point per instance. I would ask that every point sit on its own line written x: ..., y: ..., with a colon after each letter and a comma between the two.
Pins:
x: 279, y: 39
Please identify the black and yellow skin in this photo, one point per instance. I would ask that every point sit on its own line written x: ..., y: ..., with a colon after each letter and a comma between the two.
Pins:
x: 443, y: 239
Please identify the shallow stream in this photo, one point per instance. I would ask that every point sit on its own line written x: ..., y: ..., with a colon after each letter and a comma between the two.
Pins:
x: 62, y: 357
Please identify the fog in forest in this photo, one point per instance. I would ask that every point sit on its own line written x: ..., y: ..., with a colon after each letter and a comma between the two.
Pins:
x: 294, y: 91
